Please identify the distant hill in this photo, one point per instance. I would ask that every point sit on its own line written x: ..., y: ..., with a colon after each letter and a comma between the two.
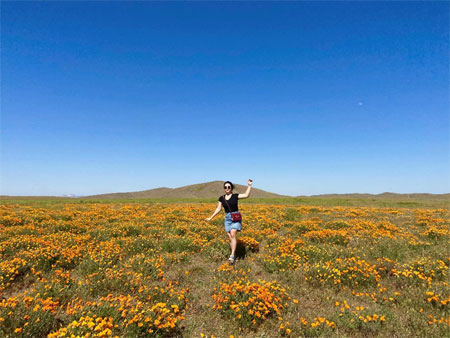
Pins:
x: 385, y: 195
x: 215, y: 188
x: 201, y: 190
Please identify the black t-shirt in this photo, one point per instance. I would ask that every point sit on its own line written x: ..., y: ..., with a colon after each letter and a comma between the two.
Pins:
x: 232, y: 202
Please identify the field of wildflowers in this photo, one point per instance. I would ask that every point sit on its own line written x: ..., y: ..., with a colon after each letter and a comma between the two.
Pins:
x: 159, y: 270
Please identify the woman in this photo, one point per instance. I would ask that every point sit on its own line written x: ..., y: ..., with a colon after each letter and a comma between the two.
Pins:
x: 229, y: 201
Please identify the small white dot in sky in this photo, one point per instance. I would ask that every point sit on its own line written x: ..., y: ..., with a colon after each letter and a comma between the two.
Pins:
x: 360, y: 103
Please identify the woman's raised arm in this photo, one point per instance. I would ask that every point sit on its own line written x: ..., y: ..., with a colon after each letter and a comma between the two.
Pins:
x: 247, y: 193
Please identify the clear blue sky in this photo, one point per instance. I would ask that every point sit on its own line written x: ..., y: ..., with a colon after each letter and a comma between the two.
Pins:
x: 305, y: 98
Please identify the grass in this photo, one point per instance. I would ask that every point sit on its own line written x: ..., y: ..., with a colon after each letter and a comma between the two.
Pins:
x: 139, y: 268
x: 400, y: 202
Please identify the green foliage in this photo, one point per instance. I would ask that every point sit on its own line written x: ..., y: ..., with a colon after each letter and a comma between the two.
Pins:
x: 291, y: 214
x: 176, y: 244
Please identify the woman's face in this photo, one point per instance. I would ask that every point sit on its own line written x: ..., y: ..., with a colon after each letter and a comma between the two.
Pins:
x: 227, y: 187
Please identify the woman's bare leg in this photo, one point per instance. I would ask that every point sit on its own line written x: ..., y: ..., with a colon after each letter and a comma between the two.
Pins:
x: 233, y: 241
x: 229, y: 236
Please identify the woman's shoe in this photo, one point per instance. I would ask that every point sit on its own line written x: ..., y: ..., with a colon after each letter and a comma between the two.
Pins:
x: 232, y: 260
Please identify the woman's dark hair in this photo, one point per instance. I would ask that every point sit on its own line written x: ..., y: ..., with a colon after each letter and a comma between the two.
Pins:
x: 232, y: 185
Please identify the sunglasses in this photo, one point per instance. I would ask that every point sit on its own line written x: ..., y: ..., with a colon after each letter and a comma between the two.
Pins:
x: 227, y: 187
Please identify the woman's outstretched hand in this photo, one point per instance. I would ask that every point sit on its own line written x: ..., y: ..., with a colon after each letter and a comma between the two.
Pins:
x: 250, y: 182
x: 208, y: 219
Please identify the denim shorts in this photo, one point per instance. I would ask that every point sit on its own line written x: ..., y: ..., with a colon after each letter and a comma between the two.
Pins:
x: 229, y: 224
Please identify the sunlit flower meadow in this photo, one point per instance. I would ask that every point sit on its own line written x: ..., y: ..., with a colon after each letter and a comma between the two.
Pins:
x: 159, y: 270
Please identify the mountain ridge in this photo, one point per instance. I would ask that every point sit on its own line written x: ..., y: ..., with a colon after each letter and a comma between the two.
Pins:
x: 200, y: 190
x: 214, y: 189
